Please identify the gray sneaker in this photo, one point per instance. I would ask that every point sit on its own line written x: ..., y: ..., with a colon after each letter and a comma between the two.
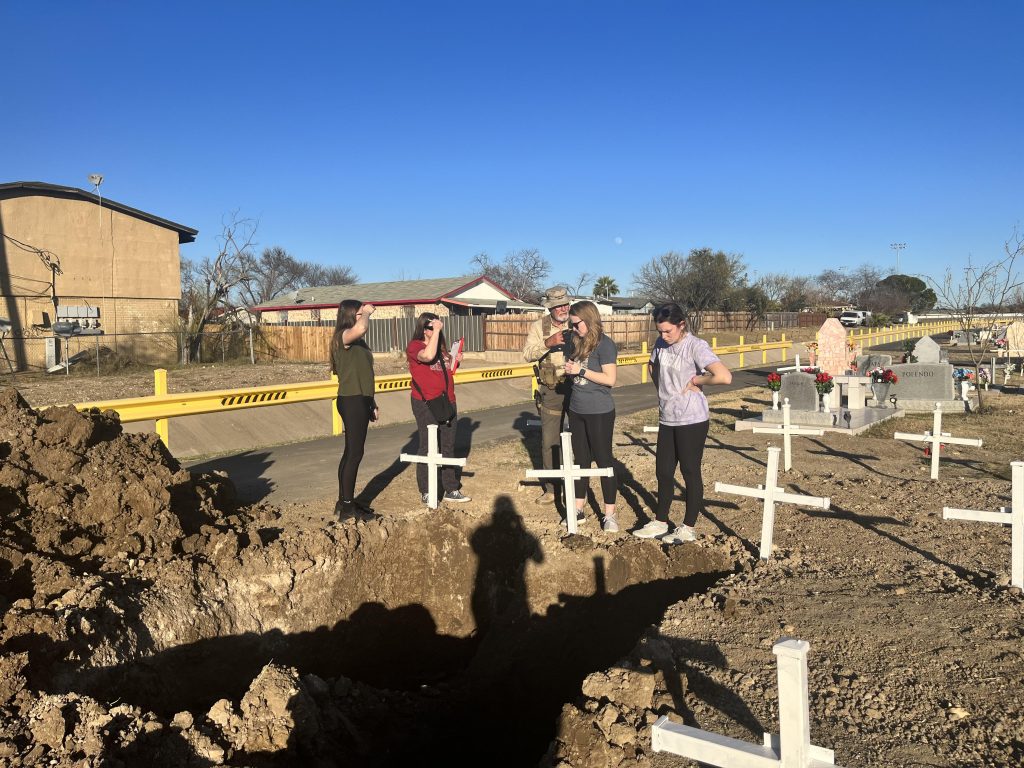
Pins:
x: 679, y: 535
x: 457, y: 496
x: 610, y: 525
x: 652, y: 530
x: 425, y: 497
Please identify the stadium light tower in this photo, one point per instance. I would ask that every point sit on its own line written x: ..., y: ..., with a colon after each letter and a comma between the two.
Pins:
x: 897, y: 247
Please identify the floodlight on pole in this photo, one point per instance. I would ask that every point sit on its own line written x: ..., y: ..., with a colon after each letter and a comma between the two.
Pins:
x: 897, y: 247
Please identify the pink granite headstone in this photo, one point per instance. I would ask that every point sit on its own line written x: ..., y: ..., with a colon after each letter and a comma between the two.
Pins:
x: 833, y: 356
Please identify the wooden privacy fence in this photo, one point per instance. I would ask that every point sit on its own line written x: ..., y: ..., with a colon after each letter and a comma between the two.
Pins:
x: 507, y: 333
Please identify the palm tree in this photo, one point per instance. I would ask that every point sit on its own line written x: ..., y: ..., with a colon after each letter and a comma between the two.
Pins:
x: 605, y: 286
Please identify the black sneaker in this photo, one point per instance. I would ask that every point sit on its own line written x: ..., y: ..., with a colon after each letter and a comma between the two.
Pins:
x: 344, y: 510
x: 457, y: 496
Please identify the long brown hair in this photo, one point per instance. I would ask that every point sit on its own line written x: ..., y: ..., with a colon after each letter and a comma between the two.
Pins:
x: 347, y: 310
x: 587, y: 312
x: 419, y: 335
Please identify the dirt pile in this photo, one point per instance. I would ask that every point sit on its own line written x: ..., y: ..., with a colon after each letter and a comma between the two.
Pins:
x: 147, y: 619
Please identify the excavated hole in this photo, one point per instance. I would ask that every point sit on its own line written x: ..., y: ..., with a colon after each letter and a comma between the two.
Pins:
x: 488, y: 630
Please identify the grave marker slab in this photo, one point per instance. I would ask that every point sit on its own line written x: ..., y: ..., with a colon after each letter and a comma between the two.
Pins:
x: 1014, y: 517
x: 923, y: 381
x: 926, y: 350
x: 866, y: 362
x: 833, y: 354
x: 792, y: 747
x: 798, y: 388
x: 1015, y: 339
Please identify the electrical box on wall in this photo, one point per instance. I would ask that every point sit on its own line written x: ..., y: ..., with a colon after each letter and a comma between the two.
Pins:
x: 87, y: 317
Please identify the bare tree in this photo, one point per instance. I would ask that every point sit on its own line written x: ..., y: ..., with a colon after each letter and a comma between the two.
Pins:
x: 520, y: 272
x: 976, y: 299
x: 318, y: 275
x: 701, y: 281
x: 210, y: 283
x: 575, y: 287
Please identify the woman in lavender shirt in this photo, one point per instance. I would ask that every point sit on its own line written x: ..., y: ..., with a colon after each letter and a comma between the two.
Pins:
x: 680, y: 365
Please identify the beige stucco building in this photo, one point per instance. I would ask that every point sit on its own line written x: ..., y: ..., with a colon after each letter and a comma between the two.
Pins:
x: 63, y: 249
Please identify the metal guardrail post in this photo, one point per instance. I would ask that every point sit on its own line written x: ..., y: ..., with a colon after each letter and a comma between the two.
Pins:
x: 160, y: 388
x: 643, y: 368
x: 337, y: 426
x: 741, y: 354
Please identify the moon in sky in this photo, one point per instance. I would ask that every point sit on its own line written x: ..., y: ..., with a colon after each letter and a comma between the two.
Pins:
x: 617, y: 241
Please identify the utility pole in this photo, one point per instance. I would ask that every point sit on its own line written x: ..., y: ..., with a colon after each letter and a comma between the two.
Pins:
x: 897, y: 247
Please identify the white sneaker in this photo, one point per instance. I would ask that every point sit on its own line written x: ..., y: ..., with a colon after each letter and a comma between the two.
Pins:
x: 610, y: 524
x: 652, y: 530
x: 679, y: 535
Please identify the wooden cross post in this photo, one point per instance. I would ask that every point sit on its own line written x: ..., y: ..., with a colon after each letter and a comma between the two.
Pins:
x: 569, y: 473
x: 433, y: 460
x: 937, y: 438
x: 652, y: 429
x: 787, y: 430
x: 794, y: 367
x: 771, y: 494
x: 1014, y: 517
x: 791, y: 748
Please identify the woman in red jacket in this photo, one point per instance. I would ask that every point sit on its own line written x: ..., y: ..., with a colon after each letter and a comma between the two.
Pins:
x: 430, y: 365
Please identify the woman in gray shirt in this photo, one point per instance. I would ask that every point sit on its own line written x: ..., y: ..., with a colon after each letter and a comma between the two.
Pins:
x: 592, y: 366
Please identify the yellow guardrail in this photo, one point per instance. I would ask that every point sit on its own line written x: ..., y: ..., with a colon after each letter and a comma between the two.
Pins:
x: 162, y: 405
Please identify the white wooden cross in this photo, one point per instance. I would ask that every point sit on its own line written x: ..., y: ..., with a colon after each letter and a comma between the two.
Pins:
x: 787, y: 430
x: 937, y: 437
x: 791, y: 748
x: 568, y: 473
x: 771, y: 494
x: 1014, y: 517
x: 652, y: 429
x: 795, y: 367
x: 433, y: 460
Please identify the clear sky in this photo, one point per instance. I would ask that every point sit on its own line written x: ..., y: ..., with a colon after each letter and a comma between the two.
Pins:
x: 401, y: 138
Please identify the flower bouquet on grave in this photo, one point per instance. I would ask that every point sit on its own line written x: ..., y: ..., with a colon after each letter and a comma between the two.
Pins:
x: 984, y: 377
x: 880, y: 375
x: 1000, y: 343
x: 775, y: 384
x: 812, y: 349
x: 824, y: 384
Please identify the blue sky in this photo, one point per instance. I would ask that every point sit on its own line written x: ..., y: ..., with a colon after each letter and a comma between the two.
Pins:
x: 403, y: 138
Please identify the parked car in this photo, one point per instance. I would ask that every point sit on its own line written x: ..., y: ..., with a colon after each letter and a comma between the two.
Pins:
x: 854, y: 317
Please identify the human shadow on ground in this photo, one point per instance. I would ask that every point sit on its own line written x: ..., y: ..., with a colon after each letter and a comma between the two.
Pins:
x: 855, y: 458
x: 678, y: 658
x: 465, y: 426
x: 497, y: 690
x: 245, y: 470
x: 740, y: 451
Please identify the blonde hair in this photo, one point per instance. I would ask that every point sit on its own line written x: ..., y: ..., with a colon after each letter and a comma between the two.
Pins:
x: 587, y: 312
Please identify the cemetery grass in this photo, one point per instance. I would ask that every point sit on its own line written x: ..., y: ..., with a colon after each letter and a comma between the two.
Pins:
x: 915, y: 633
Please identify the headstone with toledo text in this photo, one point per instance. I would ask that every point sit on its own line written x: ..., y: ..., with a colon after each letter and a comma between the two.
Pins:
x: 921, y: 385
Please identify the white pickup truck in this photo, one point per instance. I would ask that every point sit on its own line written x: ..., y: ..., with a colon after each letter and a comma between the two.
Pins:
x: 854, y: 317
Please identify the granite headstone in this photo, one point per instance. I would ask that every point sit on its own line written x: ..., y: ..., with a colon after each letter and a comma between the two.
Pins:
x: 1015, y: 339
x: 927, y: 351
x: 923, y: 381
x: 833, y: 355
x: 866, y: 362
x: 799, y: 388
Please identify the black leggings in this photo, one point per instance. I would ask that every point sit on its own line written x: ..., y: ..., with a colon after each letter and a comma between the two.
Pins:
x: 355, y: 412
x: 683, y: 446
x: 592, y: 441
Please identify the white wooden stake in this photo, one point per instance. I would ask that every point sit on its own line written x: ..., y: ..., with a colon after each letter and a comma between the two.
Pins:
x: 568, y: 473
x: 771, y: 494
x: 794, y: 367
x: 1014, y: 517
x: 791, y: 748
x: 652, y: 429
x: 937, y: 437
x: 787, y: 430
x: 433, y: 460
